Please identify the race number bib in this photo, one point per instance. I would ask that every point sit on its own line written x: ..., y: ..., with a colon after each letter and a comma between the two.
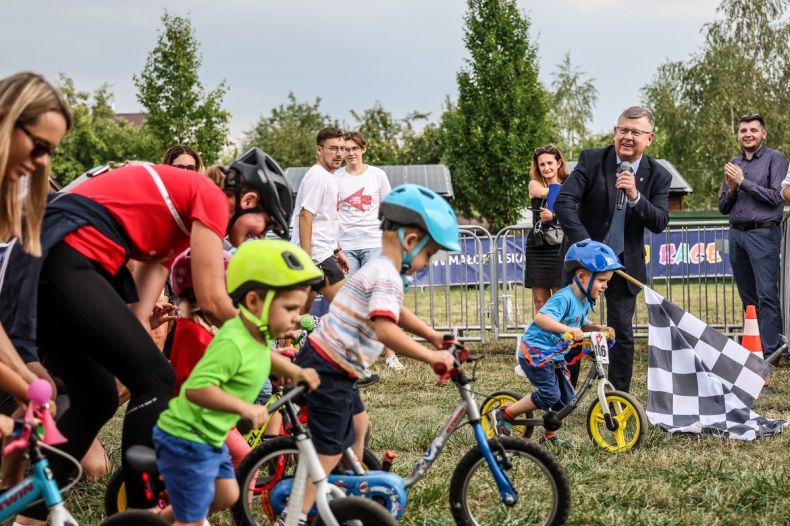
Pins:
x: 600, y: 347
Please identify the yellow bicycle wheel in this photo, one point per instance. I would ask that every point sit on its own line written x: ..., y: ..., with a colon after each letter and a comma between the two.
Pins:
x: 492, y: 403
x: 631, y: 422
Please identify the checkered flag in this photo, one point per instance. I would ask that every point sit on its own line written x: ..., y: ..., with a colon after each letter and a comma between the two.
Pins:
x: 700, y: 381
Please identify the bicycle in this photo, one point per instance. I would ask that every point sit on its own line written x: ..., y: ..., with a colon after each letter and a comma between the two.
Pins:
x: 477, y: 496
x: 615, y: 421
x: 35, y: 432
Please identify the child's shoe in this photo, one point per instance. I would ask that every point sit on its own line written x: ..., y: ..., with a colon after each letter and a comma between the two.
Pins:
x: 503, y: 422
x: 554, y: 440
x: 281, y: 519
x: 393, y: 363
x: 370, y: 380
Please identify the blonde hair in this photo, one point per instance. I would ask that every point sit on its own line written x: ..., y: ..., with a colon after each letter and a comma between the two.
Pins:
x: 562, y: 171
x: 216, y: 173
x: 24, y: 97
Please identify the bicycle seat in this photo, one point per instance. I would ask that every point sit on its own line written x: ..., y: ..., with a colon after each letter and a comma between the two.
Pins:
x: 142, y: 459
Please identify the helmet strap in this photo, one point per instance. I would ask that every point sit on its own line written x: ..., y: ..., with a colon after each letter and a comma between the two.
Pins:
x: 586, y: 290
x: 408, y: 257
x: 262, y: 323
x: 241, y: 211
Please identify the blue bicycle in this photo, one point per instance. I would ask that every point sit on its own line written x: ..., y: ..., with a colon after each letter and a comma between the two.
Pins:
x: 504, y: 480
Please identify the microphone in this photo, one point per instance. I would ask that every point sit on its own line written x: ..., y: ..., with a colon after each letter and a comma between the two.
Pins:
x: 625, y: 166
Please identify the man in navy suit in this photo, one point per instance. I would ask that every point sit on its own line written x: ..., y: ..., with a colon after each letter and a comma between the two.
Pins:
x: 604, y: 200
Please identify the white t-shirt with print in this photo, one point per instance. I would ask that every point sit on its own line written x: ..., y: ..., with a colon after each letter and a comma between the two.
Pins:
x: 346, y: 333
x: 358, y: 201
x: 318, y: 195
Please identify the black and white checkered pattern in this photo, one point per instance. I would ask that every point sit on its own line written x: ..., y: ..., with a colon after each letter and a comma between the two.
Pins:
x: 700, y: 381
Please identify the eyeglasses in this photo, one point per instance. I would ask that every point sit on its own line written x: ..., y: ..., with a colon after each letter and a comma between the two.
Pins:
x: 40, y: 146
x: 190, y: 167
x: 549, y: 148
x: 635, y: 133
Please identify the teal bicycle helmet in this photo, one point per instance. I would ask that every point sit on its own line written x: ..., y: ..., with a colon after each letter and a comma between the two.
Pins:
x: 415, y: 205
x: 593, y: 256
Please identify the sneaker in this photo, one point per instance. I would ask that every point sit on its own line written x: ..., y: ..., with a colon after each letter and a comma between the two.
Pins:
x: 502, y: 422
x: 281, y: 520
x: 393, y: 363
x: 370, y: 380
x: 554, y: 440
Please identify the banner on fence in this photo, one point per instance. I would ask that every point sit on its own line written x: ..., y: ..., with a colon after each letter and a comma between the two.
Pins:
x: 689, y: 253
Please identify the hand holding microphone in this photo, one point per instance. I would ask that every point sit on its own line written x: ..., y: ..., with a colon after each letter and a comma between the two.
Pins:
x: 625, y: 182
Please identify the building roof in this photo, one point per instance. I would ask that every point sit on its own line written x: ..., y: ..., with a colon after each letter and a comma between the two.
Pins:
x: 678, y: 184
x: 136, y: 119
x: 434, y: 176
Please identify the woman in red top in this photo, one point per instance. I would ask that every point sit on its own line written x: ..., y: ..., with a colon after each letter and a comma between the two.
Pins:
x: 84, y: 328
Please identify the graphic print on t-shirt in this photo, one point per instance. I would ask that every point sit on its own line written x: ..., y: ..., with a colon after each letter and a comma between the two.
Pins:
x: 358, y: 200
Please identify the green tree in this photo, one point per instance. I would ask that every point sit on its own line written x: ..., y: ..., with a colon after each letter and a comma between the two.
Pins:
x: 743, y: 67
x: 288, y: 133
x: 97, y: 136
x: 573, y: 99
x: 170, y: 90
x: 501, y: 114
x: 388, y: 137
x: 424, y: 147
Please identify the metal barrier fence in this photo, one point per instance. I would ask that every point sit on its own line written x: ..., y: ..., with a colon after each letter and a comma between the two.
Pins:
x: 479, y: 292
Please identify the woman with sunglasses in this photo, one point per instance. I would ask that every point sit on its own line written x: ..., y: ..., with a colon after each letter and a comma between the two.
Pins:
x: 80, y: 307
x: 543, y: 265
x: 184, y: 157
x: 34, y: 117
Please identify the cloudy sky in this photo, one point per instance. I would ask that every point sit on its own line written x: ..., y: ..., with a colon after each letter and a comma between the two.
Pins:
x: 351, y: 53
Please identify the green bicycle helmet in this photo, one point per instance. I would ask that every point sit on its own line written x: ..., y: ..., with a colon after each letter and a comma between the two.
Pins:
x: 272, y: 265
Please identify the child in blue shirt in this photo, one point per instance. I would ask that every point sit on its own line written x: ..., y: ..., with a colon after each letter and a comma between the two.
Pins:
x: 591, y: 265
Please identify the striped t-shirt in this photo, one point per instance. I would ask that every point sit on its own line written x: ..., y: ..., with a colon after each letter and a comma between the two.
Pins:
x: 346, y: 334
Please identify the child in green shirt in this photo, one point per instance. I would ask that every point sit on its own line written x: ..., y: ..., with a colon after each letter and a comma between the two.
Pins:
x: 268, y: 280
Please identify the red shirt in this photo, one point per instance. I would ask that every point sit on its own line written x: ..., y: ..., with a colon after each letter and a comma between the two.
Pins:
x: 189, y: 345
x: 132, y: 197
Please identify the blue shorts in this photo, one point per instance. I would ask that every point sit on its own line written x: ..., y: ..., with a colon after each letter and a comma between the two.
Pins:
x: 553, y: 384
x: 331, y: 407
x: 190, y: 469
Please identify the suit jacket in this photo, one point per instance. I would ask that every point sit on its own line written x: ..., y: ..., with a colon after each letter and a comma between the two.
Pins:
x: 586, y: 203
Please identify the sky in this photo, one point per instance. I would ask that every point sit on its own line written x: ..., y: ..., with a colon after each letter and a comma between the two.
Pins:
x: 404, y: 54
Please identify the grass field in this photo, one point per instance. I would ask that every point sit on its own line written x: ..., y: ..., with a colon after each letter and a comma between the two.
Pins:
x: 685, y: 480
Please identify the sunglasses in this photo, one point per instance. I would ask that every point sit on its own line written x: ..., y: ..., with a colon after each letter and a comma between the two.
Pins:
x: 549, y: 148
x: 40, y: 146
x: 190, y: 167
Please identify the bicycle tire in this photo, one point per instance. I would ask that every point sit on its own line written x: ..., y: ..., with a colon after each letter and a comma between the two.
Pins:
x: 135, y: 518
x: 270, y: 461
x: 544, y: 495
x: 359, y: 512
x: 494, y: 401
x: 115, y: 493
x: 629, y: 414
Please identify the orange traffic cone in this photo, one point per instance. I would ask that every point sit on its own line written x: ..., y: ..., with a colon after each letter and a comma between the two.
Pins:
x: 751, y: 332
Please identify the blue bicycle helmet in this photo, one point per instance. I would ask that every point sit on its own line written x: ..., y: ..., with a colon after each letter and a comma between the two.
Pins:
x: 593, y: 256
x: 415, y: 205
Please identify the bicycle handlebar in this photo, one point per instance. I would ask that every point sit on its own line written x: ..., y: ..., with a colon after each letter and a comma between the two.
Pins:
x: 37, y: 415
x: 568, y: 337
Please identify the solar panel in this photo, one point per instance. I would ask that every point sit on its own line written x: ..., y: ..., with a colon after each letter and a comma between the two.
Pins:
x: 434, y: 176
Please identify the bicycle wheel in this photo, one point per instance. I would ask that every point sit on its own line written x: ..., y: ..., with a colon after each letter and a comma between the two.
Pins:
x: 260, y: 471
x: 115, y: 493
x: 358, y: 511
x: 490, y: 406
x: 631, y: 419
x: 262, y: 468
x: 369, y: 461
x: 544, y: 496
x: 135, y: 518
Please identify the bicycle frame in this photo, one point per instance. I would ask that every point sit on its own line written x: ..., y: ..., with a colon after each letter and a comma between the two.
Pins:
x: 467, y: 407
x: 40, y: 484
x: 596, y: 372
